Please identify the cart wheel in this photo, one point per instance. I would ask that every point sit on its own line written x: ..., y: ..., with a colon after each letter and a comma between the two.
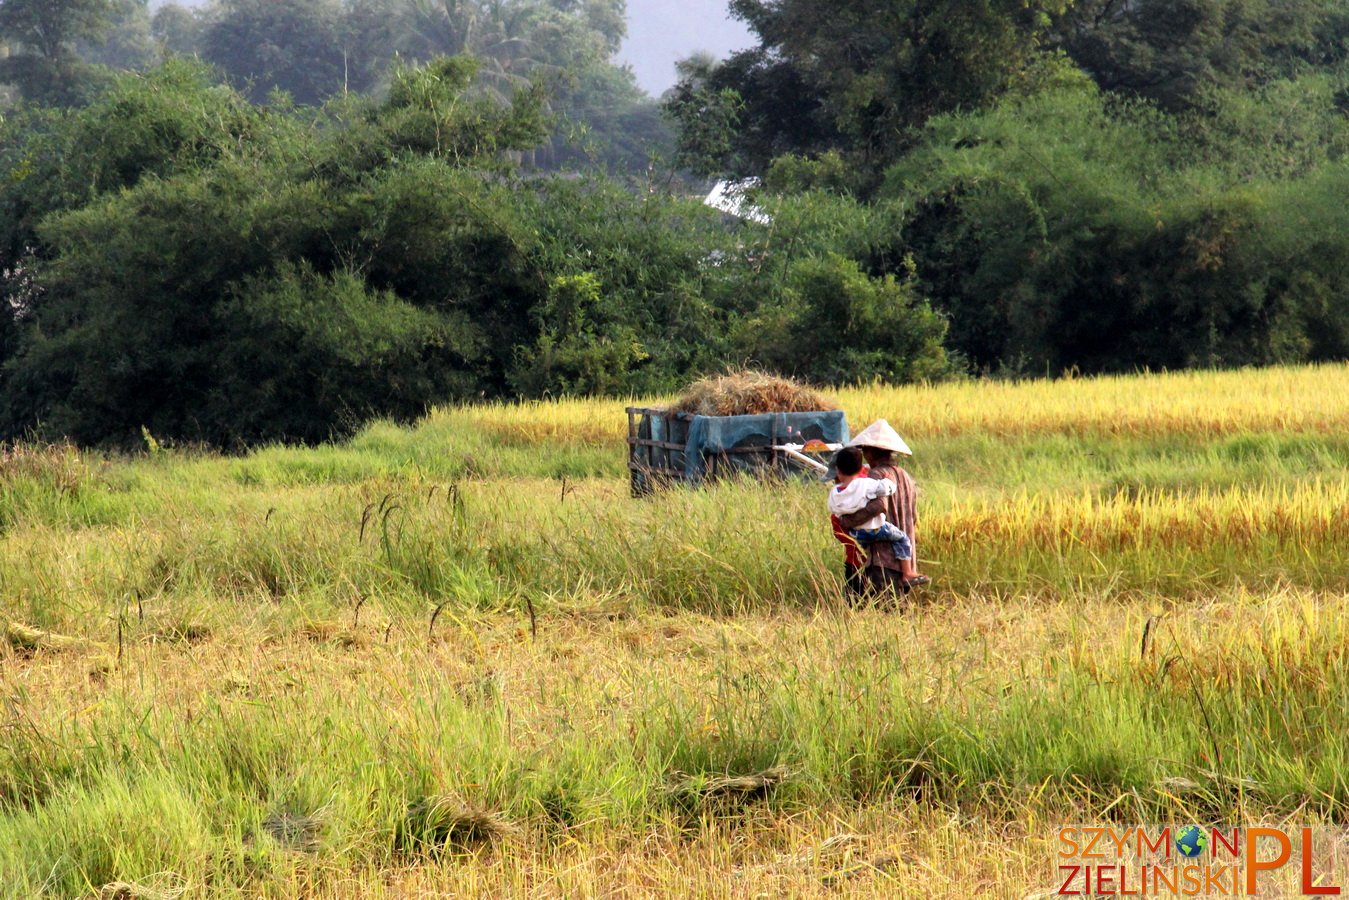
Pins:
x: 641, y: 482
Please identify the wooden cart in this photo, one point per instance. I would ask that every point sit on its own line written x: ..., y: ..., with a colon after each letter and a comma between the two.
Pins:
x: 666, y: 447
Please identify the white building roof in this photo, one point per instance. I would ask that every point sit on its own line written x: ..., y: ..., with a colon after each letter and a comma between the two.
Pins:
x: 729, y: 197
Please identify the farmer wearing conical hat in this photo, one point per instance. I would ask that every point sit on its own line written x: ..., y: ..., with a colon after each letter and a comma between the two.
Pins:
x: 884, y: 572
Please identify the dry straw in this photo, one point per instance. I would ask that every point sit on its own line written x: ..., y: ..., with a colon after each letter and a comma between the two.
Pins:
x: 449, y: 820
x: 28, y: 640
x: 130, y: 890
x: 745, y: 392
x: 727, y: 787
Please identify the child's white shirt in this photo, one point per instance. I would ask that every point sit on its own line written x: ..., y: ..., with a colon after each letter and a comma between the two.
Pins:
x: 858, y: 493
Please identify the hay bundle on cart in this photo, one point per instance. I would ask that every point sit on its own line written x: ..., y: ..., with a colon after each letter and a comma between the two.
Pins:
x: 745, y: 392
x: 742, y: 421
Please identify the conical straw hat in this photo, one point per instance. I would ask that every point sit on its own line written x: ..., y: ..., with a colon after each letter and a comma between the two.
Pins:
x: 880, y: 435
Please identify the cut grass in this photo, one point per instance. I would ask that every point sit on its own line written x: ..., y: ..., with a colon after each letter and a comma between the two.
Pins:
x: 382, y: 754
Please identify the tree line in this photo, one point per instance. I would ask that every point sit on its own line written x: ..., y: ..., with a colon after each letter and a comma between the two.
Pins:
x: 1098, y: 185
x: 66, y: 52
x: 227, y: 242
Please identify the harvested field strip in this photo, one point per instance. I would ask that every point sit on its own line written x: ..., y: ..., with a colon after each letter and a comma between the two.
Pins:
x: 235, y: 757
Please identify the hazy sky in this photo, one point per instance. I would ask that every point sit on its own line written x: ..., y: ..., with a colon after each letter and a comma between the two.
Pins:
x: 660, y: 32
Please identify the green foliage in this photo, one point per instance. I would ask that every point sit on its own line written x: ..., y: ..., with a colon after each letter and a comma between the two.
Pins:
x: 50, y: 27
x: 604, y: 121
x: 304, y: 355
x: 175, y: 257
x: 1103, y: 249
x: 177, y: 29
x: 860, y: 76
x: 652, y: 259
x: 839, y: 326
x: 309, y: 51
x: 294, y: 46
x: 792, y: 174
x: 580, y: 349
x: 425, y: 113
x: 167, y: 122
x: 127, y: 42
x: 200, y: 287
x: 119, y: 339
x: 777, y: 111
x: 428, y: 113
x: 1172, y: 51
x: 213, y: 271
x: 1283, y: 129
x: 706, y: 117
x: 60, y: 82
x: 42, y: 34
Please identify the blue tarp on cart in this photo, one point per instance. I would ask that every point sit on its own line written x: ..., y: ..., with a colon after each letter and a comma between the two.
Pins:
x: 711, y: 437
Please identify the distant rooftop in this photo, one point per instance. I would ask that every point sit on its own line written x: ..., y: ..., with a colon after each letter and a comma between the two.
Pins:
x: 730, y: 197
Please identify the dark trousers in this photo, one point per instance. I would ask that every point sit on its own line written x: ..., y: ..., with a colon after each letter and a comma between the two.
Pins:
x: 854, y: 583
x: 873, y: 585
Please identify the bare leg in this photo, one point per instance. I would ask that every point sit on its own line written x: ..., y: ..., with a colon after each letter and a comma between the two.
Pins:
x: 909, y: 572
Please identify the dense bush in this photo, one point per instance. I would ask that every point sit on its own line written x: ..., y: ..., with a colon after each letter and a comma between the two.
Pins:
x: 286, y: 285
x: 1105, y: 249
x: 215, y: 272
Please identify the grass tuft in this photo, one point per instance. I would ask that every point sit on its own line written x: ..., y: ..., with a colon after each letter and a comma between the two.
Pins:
x: 446, y: 821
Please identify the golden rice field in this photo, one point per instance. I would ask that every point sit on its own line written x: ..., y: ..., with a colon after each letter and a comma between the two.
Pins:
x: 458, y: 659
x: 1303, y: 399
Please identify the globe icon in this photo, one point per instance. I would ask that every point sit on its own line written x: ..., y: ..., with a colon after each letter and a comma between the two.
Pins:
x: 1191, y: 841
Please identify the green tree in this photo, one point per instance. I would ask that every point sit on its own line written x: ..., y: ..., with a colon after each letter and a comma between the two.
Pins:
x: 605, y: 122
x: 506, y: 37
x: 164, y: 123
x: 178, y: 30
x: 50, y: 27
x: 228, y: 274
x: 180, y: 259
x: 126, y: 42
x: 646, y: 272
x: 292, y: 45
x: 707, y: 119
x: 861, y: 76
x: 582, y: 347
x: 1286, y: 128
x: 431, y: 110
x: 1170, y: 51
x: 1111, y: 247
x: 834, y: 324
x: 306, y: 356
x: 42, y: 36
x: 606, y: 18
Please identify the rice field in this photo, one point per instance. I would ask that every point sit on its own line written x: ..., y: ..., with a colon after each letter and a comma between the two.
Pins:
x: 458, y: 659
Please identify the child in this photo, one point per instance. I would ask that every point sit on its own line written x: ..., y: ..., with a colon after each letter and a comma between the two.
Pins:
x: 854, y: 491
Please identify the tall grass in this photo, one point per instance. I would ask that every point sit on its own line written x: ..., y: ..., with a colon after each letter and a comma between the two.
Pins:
x: 414, y: 658
x: 225, y: 781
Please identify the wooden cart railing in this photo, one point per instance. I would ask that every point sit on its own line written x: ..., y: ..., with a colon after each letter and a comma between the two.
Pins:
x: 658, y: 452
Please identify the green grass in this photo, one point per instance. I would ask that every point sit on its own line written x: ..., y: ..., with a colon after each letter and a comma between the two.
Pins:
x: 389, y: 665
x: 196, y: 787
